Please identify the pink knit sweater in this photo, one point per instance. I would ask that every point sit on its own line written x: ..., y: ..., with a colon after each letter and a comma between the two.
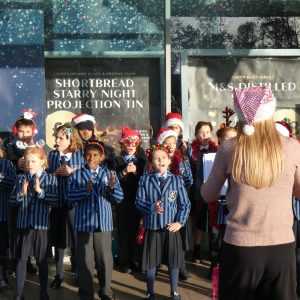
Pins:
x: 257, y: 217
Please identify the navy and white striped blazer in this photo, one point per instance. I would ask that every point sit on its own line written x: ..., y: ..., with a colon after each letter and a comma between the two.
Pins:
x: 76, y: 160
x: 186, y: 173
x: 93, y: 210
x: 296, y: 208
x: 7, y: 181
x: 174, y: 201
x: 33, y: 211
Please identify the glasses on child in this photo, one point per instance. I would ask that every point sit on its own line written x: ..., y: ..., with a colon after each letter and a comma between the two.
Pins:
x: 131, y: 143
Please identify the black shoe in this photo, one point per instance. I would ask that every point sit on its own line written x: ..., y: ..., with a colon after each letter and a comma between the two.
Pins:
x: 135, y: 267
x: 4, y: 285
x: 196, y: 254
x: 19, y: 297
x: 106, y: 297
x: 44, y: 297
x: 125, y: 269
x: 31, y: 269
x: 76, y: 281
x: 56, y: 283
x: 184, y: 274
x: 196, y: 260
x: 209, y: 274
x: 149, y: 297
x: 175, y: 296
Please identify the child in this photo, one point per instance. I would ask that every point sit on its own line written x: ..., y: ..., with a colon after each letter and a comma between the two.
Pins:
x: 179, y: 166
x: 129, y: 167
x: 34, y: 192
x: 174, y: 121
x: 162, y: 197
x: 24, y: 131
x: 67, y: 157
x: 223, y: 134
x: 218, y: 210
x: 201, y: 144
x: 85, y: 125
x: 94, y: 188
x: 7, y: 180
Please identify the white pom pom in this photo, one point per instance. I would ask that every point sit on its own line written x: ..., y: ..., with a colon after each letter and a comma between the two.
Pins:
x: 248, y: 129
x: 21, y: 145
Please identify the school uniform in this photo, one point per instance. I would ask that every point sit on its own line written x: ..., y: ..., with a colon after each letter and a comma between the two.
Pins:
x: 62, y: 233
x: 13, y: 154
x: 127, y: 216
x: 93, y: 223
x: 200, y: 206
x: 161, y: 245
x: 33, y: 224
x: 296, y: 227
x: 7, y: 180
x: 186, y: 230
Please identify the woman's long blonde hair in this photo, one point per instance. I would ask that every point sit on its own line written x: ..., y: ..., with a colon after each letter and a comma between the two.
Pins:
x: 258, y: 158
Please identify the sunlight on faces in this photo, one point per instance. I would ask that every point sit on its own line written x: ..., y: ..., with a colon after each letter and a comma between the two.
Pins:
x: 204, y: 134
x: 160, y: 161
x: 176, y: 128
x: 93, y: 158
x: 85, y: 134
x: 61, y: 142
x: 25, y: 132
x: 172, y: 143
x: 33, y: 163
x: 130, y: 147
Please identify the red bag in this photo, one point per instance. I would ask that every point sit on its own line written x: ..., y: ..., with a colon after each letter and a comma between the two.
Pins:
x: 141, y: 233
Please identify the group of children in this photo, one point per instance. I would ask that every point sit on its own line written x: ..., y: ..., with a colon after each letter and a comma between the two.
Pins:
x: 65, y: 201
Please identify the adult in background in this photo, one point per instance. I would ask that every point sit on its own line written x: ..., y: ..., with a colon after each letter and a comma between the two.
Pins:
x: 262, y: 167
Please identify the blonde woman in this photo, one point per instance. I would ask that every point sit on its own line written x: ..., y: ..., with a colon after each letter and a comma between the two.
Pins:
x: 262, y: 167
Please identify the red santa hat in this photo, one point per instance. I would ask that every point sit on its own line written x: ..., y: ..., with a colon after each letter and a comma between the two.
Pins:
x: 83, y: 121
x: 253, y: 104
x: 164, y: 133
x: 129, y: 134
x: 173, y: 119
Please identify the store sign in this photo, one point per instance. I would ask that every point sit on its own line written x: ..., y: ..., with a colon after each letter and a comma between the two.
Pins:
x: 117, y: 92
x: 211, y: 81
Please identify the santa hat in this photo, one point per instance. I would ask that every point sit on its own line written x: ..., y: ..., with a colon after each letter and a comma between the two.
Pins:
x: 253, y: 104
x: 130, y: 135
x: 164, y: 133
x: 284, y: 127
x: 83, y: 121
x: 173, y: 119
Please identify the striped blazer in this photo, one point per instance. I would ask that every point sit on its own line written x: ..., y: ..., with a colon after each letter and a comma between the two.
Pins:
x: 76, y: 161
x: 33, y: 211
x: 187, y: 176
x: 174, y: 201
x: 93, y: 210
x: 7, y: 181
x: 296, y: 208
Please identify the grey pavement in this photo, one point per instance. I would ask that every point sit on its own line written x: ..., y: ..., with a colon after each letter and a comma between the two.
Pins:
x: 125, y: 286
